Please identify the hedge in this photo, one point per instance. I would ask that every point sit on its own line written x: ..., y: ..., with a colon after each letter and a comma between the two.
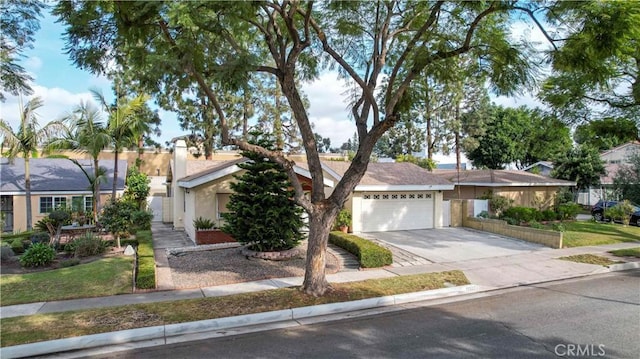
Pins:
x: 146, y: 275
x: 370, y: 255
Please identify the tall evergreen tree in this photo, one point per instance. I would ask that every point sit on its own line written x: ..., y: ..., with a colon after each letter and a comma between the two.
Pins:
x: 262, y: 210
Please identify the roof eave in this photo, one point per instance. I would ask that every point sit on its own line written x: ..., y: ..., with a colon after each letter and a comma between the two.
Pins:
x: 400, y: 188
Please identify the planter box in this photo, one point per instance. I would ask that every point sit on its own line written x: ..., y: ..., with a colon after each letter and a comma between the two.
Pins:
x: 212, y: 236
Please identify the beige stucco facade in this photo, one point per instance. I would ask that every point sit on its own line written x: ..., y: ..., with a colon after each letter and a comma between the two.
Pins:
x: 535, y: 196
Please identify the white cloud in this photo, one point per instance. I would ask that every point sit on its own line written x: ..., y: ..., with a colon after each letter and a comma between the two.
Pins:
x: 32, y: 64
x: 57, y: 103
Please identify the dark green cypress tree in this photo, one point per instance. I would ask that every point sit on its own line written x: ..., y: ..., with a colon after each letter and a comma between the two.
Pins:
x: 261, y: 210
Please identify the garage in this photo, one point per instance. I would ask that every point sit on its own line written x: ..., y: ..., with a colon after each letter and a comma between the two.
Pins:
x: 393, y: 211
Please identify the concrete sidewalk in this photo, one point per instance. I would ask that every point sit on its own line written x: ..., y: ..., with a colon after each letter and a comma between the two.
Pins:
x: 486, y: 273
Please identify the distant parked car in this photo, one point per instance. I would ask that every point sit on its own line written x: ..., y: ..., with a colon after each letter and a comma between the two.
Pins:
x: 598, y: 212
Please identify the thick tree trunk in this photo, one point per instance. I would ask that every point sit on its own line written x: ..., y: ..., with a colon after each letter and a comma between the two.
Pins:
x: 315, y: 281
x: 27, y: 190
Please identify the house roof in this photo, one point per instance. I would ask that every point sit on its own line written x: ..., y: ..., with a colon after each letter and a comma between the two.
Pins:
x: 213, y: 170
x: 56, y: 175
x: 632, y: 143
x: 501, y: 178
x: 547, y: 164
x: 391, y: 176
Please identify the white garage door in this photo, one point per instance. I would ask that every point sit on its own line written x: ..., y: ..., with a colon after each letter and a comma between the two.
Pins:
x: 397, y: 211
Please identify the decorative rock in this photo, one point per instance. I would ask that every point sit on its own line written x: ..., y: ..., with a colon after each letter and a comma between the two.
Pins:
x: 273, y: 256
x: 129, y: 251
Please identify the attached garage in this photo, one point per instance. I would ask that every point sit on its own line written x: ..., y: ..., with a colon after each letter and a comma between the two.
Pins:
x: 394, y: 211
x: 393, y: 196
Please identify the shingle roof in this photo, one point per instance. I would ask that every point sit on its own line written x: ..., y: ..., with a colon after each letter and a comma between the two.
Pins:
x: 197, y: 169
x: 56, y: 175
x: 501, y: 177
x: 391, y: 173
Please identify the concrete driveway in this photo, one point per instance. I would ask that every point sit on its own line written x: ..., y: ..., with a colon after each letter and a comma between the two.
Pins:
x: 452, y: 244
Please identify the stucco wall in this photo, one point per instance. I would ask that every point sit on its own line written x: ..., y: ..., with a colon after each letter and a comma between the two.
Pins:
x: 538, y: 197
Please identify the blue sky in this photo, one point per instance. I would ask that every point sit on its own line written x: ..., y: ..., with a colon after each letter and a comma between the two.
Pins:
x: 62, y: 86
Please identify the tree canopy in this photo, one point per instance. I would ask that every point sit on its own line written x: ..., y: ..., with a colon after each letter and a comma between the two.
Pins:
x: 582, y: 165
x: 381, y: 48
x: 606, y: 133
x: 19, y: 21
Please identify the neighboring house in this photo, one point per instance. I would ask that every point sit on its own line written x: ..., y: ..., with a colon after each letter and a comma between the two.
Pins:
x: 613, y: 159
x: 543, y: 168
x: 54, y: 182
x: 524, y: 188
x: 390, y: 196
x: 393, y: 196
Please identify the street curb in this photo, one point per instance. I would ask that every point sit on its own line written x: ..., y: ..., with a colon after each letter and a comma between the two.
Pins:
x: 169, y: 333
x: 624, y: 266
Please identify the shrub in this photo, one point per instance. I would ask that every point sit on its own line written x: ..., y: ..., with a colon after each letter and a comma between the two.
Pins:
x: 69, y: 262
x: 141, y: 220
x: 549, y: 215
x: 370, y: 255
x: 86, y: 245
x: 117, y: 217
x: 522, y: 214
x: 511, y: 221
x: 40, y: 237
x: 568, y: 210
x: 6, y: 252
x: 483, y: 214
x: 39, y: 254
x: 18, y: 235
x: 17, y: 246
x: 146, y: 274
x: 620, y: 212
x: 41, y: 225
x: 536, y: 225
x: 203, y: 223
x: 60, y: 217
x: 558, y: 227
x: 497, y: 204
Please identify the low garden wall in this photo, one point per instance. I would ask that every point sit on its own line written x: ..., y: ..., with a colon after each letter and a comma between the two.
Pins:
x: 548, y: 238
x: 213, y: 236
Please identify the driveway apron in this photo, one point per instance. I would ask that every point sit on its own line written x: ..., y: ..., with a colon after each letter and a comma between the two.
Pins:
x: 452, y: 244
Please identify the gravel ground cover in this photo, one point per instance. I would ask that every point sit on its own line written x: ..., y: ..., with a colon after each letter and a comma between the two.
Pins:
x: 227, y: 266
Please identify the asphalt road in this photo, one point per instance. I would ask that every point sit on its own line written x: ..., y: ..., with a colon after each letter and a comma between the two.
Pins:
x: 592, y: 317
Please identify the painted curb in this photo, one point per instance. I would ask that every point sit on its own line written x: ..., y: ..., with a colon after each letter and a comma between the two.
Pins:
x: 624, y: 266
x: 226, y: 323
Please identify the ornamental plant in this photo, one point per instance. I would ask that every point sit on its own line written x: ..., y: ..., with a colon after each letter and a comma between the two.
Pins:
x: 261, y: 210
x: 38, y: 255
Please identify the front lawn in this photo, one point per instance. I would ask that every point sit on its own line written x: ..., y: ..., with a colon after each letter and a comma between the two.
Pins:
x: 578, y: 234
x: 629, y: 252
x: 41, y: 327
x: 103, y: 277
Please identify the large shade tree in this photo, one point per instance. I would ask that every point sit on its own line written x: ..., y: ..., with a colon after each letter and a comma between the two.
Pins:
x: 19, y: 21
x: 25, y: 141
x: 166, y: 45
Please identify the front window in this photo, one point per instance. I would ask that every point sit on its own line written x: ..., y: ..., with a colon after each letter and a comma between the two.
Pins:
x: 48, y: 204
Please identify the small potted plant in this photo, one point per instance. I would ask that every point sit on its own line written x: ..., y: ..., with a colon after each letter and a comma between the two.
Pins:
x: 343, y: 220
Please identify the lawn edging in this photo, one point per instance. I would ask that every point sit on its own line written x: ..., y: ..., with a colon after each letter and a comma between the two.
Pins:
x: 166, y: 334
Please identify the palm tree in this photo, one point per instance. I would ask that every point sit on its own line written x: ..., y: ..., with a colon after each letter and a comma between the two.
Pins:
x: 124, y: 125
x: 86, y: 133
x: 25, y: 142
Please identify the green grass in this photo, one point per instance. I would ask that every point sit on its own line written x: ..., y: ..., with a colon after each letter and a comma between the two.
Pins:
x: 589, y: 259
x: 580, y: 233
x: 146, y: 278
x: 41, y: 327
x: 629, y: 252
x: 107, y: 276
